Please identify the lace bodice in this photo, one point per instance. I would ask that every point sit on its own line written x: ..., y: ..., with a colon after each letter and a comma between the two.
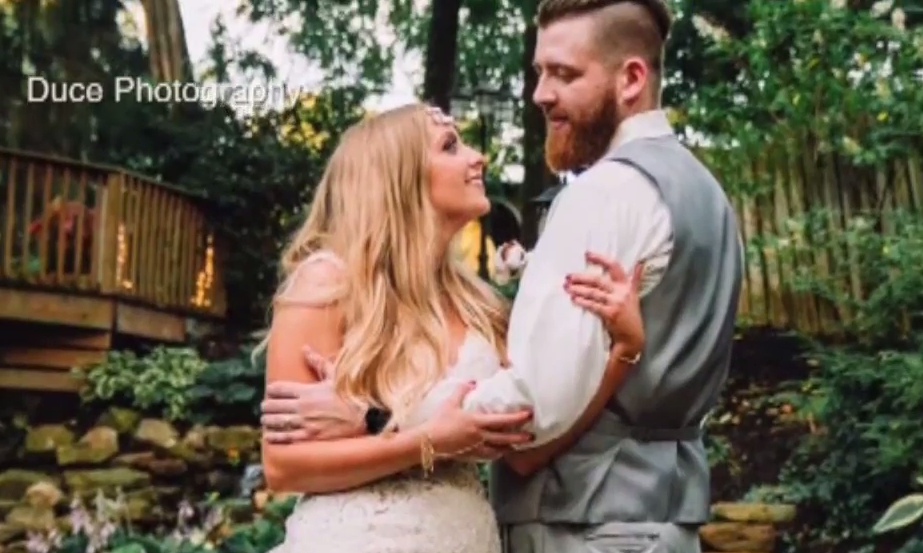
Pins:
x: 447, y: 512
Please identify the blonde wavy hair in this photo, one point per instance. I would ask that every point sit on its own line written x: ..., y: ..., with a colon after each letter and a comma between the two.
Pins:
x: 372, y: 211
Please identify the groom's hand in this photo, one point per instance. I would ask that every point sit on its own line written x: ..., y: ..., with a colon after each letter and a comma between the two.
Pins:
x: 296, y: 412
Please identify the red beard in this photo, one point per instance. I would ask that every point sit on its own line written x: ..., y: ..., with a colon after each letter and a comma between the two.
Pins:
x: 583, y: 139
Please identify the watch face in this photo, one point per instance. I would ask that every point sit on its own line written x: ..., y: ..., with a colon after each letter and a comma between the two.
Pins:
x: 376, y: 419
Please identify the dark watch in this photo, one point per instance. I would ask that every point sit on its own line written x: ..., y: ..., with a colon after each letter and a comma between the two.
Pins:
x: 376, y: 419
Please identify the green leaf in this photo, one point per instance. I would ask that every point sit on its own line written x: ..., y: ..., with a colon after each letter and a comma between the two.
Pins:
x: 901, y: 513
x: 129, y: 548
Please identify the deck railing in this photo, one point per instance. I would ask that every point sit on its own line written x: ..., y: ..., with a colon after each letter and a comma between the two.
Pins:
x: 97, y: 229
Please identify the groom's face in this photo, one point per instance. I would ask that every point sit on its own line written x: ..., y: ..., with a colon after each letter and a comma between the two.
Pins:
x: 576, y: 90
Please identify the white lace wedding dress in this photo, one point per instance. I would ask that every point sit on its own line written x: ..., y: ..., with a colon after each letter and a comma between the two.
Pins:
x: 445, y: 513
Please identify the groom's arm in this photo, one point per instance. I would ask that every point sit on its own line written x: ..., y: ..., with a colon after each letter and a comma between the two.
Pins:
x: 558, y: 350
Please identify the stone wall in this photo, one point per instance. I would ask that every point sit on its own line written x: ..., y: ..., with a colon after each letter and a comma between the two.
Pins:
x: 745, y: 527
x: 152, y: 463
x: 155, y: 466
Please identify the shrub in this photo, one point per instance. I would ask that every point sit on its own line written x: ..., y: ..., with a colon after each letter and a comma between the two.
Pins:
x: 179, y: 385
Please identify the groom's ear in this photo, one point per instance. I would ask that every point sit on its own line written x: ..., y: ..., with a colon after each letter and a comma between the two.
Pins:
x: 632, y: 79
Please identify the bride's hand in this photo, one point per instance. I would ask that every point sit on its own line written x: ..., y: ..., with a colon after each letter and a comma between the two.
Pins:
x: 614, y: 296
x: 455, y: 432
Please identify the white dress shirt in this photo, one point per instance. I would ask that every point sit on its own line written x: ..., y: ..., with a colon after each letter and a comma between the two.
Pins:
x: 558, y: 350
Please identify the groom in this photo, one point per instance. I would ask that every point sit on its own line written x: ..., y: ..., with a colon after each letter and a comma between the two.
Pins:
x: 638, y: 479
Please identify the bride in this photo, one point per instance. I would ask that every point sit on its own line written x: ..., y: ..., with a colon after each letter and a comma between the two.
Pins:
x: 369, y: 281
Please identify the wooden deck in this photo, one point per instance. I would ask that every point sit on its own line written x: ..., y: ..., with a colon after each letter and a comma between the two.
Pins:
x: 91, y: 256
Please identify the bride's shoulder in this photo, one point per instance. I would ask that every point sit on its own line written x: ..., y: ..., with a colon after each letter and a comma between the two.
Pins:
x: 318, y: 279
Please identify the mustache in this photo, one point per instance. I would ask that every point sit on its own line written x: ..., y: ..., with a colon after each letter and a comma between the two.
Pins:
x: 552, y: 115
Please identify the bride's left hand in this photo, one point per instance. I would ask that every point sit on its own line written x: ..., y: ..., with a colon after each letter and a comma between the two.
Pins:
x: 612, y: 295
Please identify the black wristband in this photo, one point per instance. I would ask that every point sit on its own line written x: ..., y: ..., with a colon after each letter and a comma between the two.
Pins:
x: 376, y: 419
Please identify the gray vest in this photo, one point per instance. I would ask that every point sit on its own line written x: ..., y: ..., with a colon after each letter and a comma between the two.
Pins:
x: 644, y: 459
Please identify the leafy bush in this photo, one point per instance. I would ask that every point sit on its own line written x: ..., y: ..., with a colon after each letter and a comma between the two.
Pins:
x: 156, y: 383
x: 840, y: 84
x: 902, y: 513
x: 178, y: 385
x: 864, y: 396
x: 229, y: 391
x: 104, y: 527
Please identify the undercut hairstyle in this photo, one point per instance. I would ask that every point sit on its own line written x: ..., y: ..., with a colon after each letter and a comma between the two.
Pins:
x: 623, y: 27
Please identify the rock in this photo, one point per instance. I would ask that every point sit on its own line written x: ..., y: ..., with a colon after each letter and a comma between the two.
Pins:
x: 82, y: 481
x: 95, y: 447
x: 123, y: 421
x: 6, y: 505
x: 169, y: 495
x: 15, y: 482
x: 10, y: 532
x: 142, y: 505
x: 167, y: 467
x: 48, y: 438
x: 221, y: 482
x: 753, y: 512
x: 43, y: 494
x: 137, y: 460
x: 158, y: 433
x: 193, y: 447
x: 31, y: 518
x: 17, y: 547
x: 737, y: 536
x: 196, y: 437
x: 149, y: 462
x: 233, y: 443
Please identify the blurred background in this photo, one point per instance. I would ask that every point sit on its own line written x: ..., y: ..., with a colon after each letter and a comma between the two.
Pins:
x: 139, y: 239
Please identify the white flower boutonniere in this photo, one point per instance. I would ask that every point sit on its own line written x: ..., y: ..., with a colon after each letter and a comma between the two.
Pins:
x: 509, y: 261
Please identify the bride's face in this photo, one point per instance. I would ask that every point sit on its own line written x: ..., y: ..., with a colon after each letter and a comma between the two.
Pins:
x: 456, y: 176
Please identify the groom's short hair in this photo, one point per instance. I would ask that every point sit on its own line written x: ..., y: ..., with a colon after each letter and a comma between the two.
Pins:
x: 639, y: 27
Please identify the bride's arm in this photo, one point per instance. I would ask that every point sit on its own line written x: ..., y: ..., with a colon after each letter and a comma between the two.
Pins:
x: 322, y: 466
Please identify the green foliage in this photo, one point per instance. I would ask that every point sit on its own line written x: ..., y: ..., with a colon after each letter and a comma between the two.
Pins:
x: 865, y: 393
x: 810, y: 75
x: 104, y: 528
x: 228, y: 390
x: 838, y: 87
x: 903, y: 512
x: 178, y: 385
x: 156, y: 383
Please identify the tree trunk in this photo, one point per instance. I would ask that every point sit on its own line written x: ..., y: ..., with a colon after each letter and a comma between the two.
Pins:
x: 169, y: 56
x: 441, y: 51
x: 536, y: 176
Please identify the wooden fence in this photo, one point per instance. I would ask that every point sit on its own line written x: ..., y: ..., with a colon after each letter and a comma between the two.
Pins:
x: 101, y: 230
x: 793, y: 185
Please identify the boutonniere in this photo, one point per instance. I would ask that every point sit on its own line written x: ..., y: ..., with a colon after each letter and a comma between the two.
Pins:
x: 510, y: 261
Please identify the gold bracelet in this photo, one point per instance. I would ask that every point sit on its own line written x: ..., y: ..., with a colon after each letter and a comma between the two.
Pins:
x: 427, y: 456
x: 462, y: 451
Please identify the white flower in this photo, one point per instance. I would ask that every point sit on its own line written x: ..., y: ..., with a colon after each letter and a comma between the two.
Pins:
x: 882, y: 7
x: 511, y: 258
x: 709, y: 30
x: 898, y: 18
